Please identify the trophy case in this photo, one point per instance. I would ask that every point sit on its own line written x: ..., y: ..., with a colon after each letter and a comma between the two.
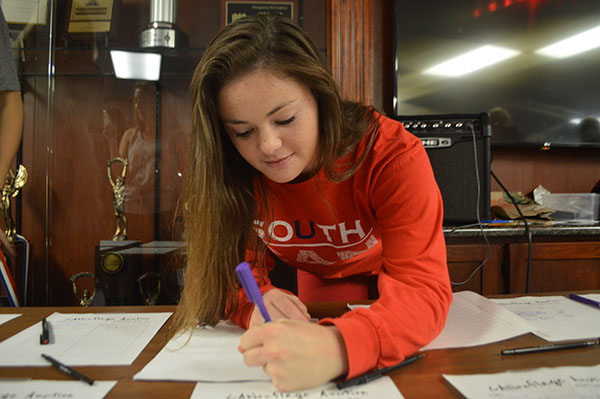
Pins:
x: 105, y: 152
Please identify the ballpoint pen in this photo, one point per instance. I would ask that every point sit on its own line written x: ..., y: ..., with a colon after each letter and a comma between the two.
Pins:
x: 68, y: 370
x: 373, y: 375
x: 585, y: 300
x: 244, y: 273
x: 547, y: 348
x: 45, y: 335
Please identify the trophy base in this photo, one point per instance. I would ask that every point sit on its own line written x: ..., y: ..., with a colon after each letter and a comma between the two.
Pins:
x: 131, y: 273
x: 116, y: 273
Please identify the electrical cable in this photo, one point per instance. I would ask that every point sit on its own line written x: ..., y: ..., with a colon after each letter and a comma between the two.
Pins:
x: 522, y: 217
x: 489, y: 250
x: 527, y: 230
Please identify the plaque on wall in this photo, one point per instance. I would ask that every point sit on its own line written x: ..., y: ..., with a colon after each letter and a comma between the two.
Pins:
x: 91, y: 16
x: 236, y: 9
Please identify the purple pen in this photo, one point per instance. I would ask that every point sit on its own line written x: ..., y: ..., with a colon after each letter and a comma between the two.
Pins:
x: 585, y: 300
x: 244, y: 273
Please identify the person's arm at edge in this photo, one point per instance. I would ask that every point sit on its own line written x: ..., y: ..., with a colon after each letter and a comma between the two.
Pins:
x: 11, y: 127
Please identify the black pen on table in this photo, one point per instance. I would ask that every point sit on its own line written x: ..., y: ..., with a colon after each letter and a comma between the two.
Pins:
x: 68, y: 370
x: 547, y: 348
x: 373, y: 375
x: 45, y: 335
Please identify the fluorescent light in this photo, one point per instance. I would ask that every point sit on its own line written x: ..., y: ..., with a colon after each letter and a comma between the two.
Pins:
x: 584, y: 41
x: 472, y: 61
x: 577, y: 121
x: 134, y: 65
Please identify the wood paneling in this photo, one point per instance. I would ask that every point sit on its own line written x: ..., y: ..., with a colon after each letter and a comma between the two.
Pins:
x: 567, y: 266
x: 560, y: 170
x: 350, y: 45
x: 464, y: 263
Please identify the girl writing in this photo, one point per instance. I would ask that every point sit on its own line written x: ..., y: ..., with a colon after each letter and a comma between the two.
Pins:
x: 281, y: 166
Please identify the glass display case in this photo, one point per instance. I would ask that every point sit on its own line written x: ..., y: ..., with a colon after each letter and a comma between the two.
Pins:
x: 106, y: 155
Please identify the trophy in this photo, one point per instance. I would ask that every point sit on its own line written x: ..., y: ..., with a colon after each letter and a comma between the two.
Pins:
x: 19, y: 265
x: 12, y: 185
x: 149, y: 285
x: 115, y: 268
x: 85, y: 299
x: 118, y: 189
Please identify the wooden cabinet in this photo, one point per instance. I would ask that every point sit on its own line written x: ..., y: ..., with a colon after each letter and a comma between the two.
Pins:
x: 557, y: 263
x: 475, y: 267
x: 564, y: 266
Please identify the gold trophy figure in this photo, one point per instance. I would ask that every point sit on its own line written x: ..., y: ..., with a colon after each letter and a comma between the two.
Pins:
x: 12, y: 185
x: 86, y: 299
x: 118, y: 189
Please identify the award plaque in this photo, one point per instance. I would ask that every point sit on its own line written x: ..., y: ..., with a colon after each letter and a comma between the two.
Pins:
x: 233, y: 10
x: 91, y: 16
x: 111, y: 262
x: 118, y: 266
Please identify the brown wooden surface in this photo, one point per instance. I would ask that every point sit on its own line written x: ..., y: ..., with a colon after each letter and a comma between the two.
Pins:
x: 555, y: 267
x: 351, y: 47
x: 560, y: 170
x: 463, y: 260
x: 422, y: 379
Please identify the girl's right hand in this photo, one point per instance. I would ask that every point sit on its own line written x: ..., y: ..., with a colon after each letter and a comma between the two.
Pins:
x: 280, y: 305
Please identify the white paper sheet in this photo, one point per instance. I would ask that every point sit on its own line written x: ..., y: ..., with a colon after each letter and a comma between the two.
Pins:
x: 542, y: 383
x: 475, y: 320
x: 26, y: 389
x: 8, y: 317
x: 379, y: 389
x: 555, y: 318
x: 84, y: 339
x: 210, y: 355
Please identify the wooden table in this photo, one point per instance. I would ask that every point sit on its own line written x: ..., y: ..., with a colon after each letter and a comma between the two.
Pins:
x: 422, y: 379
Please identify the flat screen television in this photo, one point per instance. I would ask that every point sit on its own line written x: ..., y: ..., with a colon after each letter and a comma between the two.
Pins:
x: 532, y: 65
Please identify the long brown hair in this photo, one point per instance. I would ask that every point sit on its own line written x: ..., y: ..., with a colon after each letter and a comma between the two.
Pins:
x: 219, y: 185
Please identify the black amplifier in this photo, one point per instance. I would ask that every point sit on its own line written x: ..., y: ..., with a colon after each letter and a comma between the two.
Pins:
x: 458, y: 146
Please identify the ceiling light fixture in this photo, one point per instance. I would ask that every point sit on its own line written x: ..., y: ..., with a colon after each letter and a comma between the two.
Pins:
x: 584, y: 41
x: 136, y: 65
x: 472, y: 61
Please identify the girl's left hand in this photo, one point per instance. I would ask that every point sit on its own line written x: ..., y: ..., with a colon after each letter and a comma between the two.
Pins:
x: 295, y: 354
x: 280, y: 305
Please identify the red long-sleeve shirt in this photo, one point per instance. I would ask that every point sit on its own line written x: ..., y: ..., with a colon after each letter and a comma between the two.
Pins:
x: 385, y: 220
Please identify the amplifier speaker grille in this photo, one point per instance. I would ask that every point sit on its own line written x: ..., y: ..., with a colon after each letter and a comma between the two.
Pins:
x: 448, y: 140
